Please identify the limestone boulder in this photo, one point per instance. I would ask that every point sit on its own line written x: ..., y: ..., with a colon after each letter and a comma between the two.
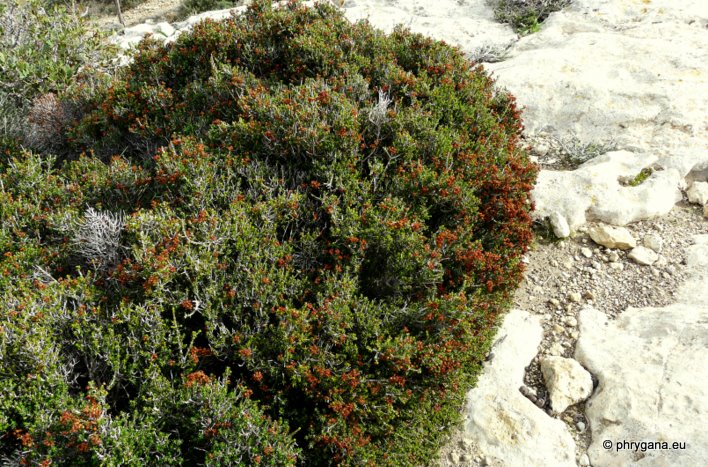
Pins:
x: 611, y: 74
x: 650, y: 364
x: 595, y: 192
x: 469, y: 24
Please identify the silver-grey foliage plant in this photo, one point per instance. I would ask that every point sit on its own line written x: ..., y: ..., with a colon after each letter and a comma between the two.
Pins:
x: 97, y: 238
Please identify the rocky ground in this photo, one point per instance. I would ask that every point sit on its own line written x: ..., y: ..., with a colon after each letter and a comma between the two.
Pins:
x: 607, y: 340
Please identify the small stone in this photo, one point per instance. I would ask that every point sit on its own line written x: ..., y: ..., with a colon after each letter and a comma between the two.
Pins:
x: 587, y: 252
x: 554, y: 301
x: 653, y: 242
x: 705, y: 210
x: 584, y: 460
x: 541, y: 148
x: 567, y: 381
x: 612, y: 237
x: 580, y: 426
x: 568, y: 264
x: 698, y: 193
x: 588, y: 295
x: 561, y: 229
x: 613, y: 256
x: 642, y: 255
x: 557, y: 329
x: 540, y: 403
x: 555, y: 350
x: 617, y: 266
x: 571, y: 321
x: 574, y: 297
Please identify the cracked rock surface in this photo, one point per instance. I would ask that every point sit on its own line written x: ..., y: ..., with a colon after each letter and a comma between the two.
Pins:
x: 650, y: 364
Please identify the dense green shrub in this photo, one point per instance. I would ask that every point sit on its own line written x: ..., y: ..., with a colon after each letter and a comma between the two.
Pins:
x: 311, y: 229
x: 42, y: 52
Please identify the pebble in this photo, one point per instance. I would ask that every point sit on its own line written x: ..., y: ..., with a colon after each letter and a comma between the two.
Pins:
x: 584, y: 460
x: 617, y: 266
x: 571, y: 321
x: 555, y: 350
x: 642, y: 255
x: 587, y: 252
x: 574, y: 297
x: 580, y: 426
x: 653, y: 242
x: 557, y: 329
x: 613, y: 256
x: 554, y: 301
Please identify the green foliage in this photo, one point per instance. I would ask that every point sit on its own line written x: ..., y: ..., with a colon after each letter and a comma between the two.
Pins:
x: 319, y: 227
x: 525, y: 16
x: 641, y: 176
x: 42, y: 50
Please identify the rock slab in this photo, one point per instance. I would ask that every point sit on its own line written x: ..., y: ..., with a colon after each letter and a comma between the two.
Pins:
x: 651, y: 368
x: 503, y: 425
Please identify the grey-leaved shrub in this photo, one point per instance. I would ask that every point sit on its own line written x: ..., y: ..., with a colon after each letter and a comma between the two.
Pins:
x: 525, y: 16
x: 97, y: 238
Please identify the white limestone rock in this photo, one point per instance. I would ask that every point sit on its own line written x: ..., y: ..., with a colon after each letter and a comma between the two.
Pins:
x: 653, y: 242
x: 567, y: 382
x: 650, y: 364
x: 612, y: 237
x: 612, y: 70
x: 698, y: 193
x: 628, y: 72
x: 504, y: 425
x: 560, y: 226
x: 642, y: 255
x: 165, y: 29
x: 469, y: 24
x: 594, y: 191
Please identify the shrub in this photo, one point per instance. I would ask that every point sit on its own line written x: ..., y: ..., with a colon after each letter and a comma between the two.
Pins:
x: 97, y: 238
x: 323, y: 225
x: 43, y: 51
x: 525, y: 16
